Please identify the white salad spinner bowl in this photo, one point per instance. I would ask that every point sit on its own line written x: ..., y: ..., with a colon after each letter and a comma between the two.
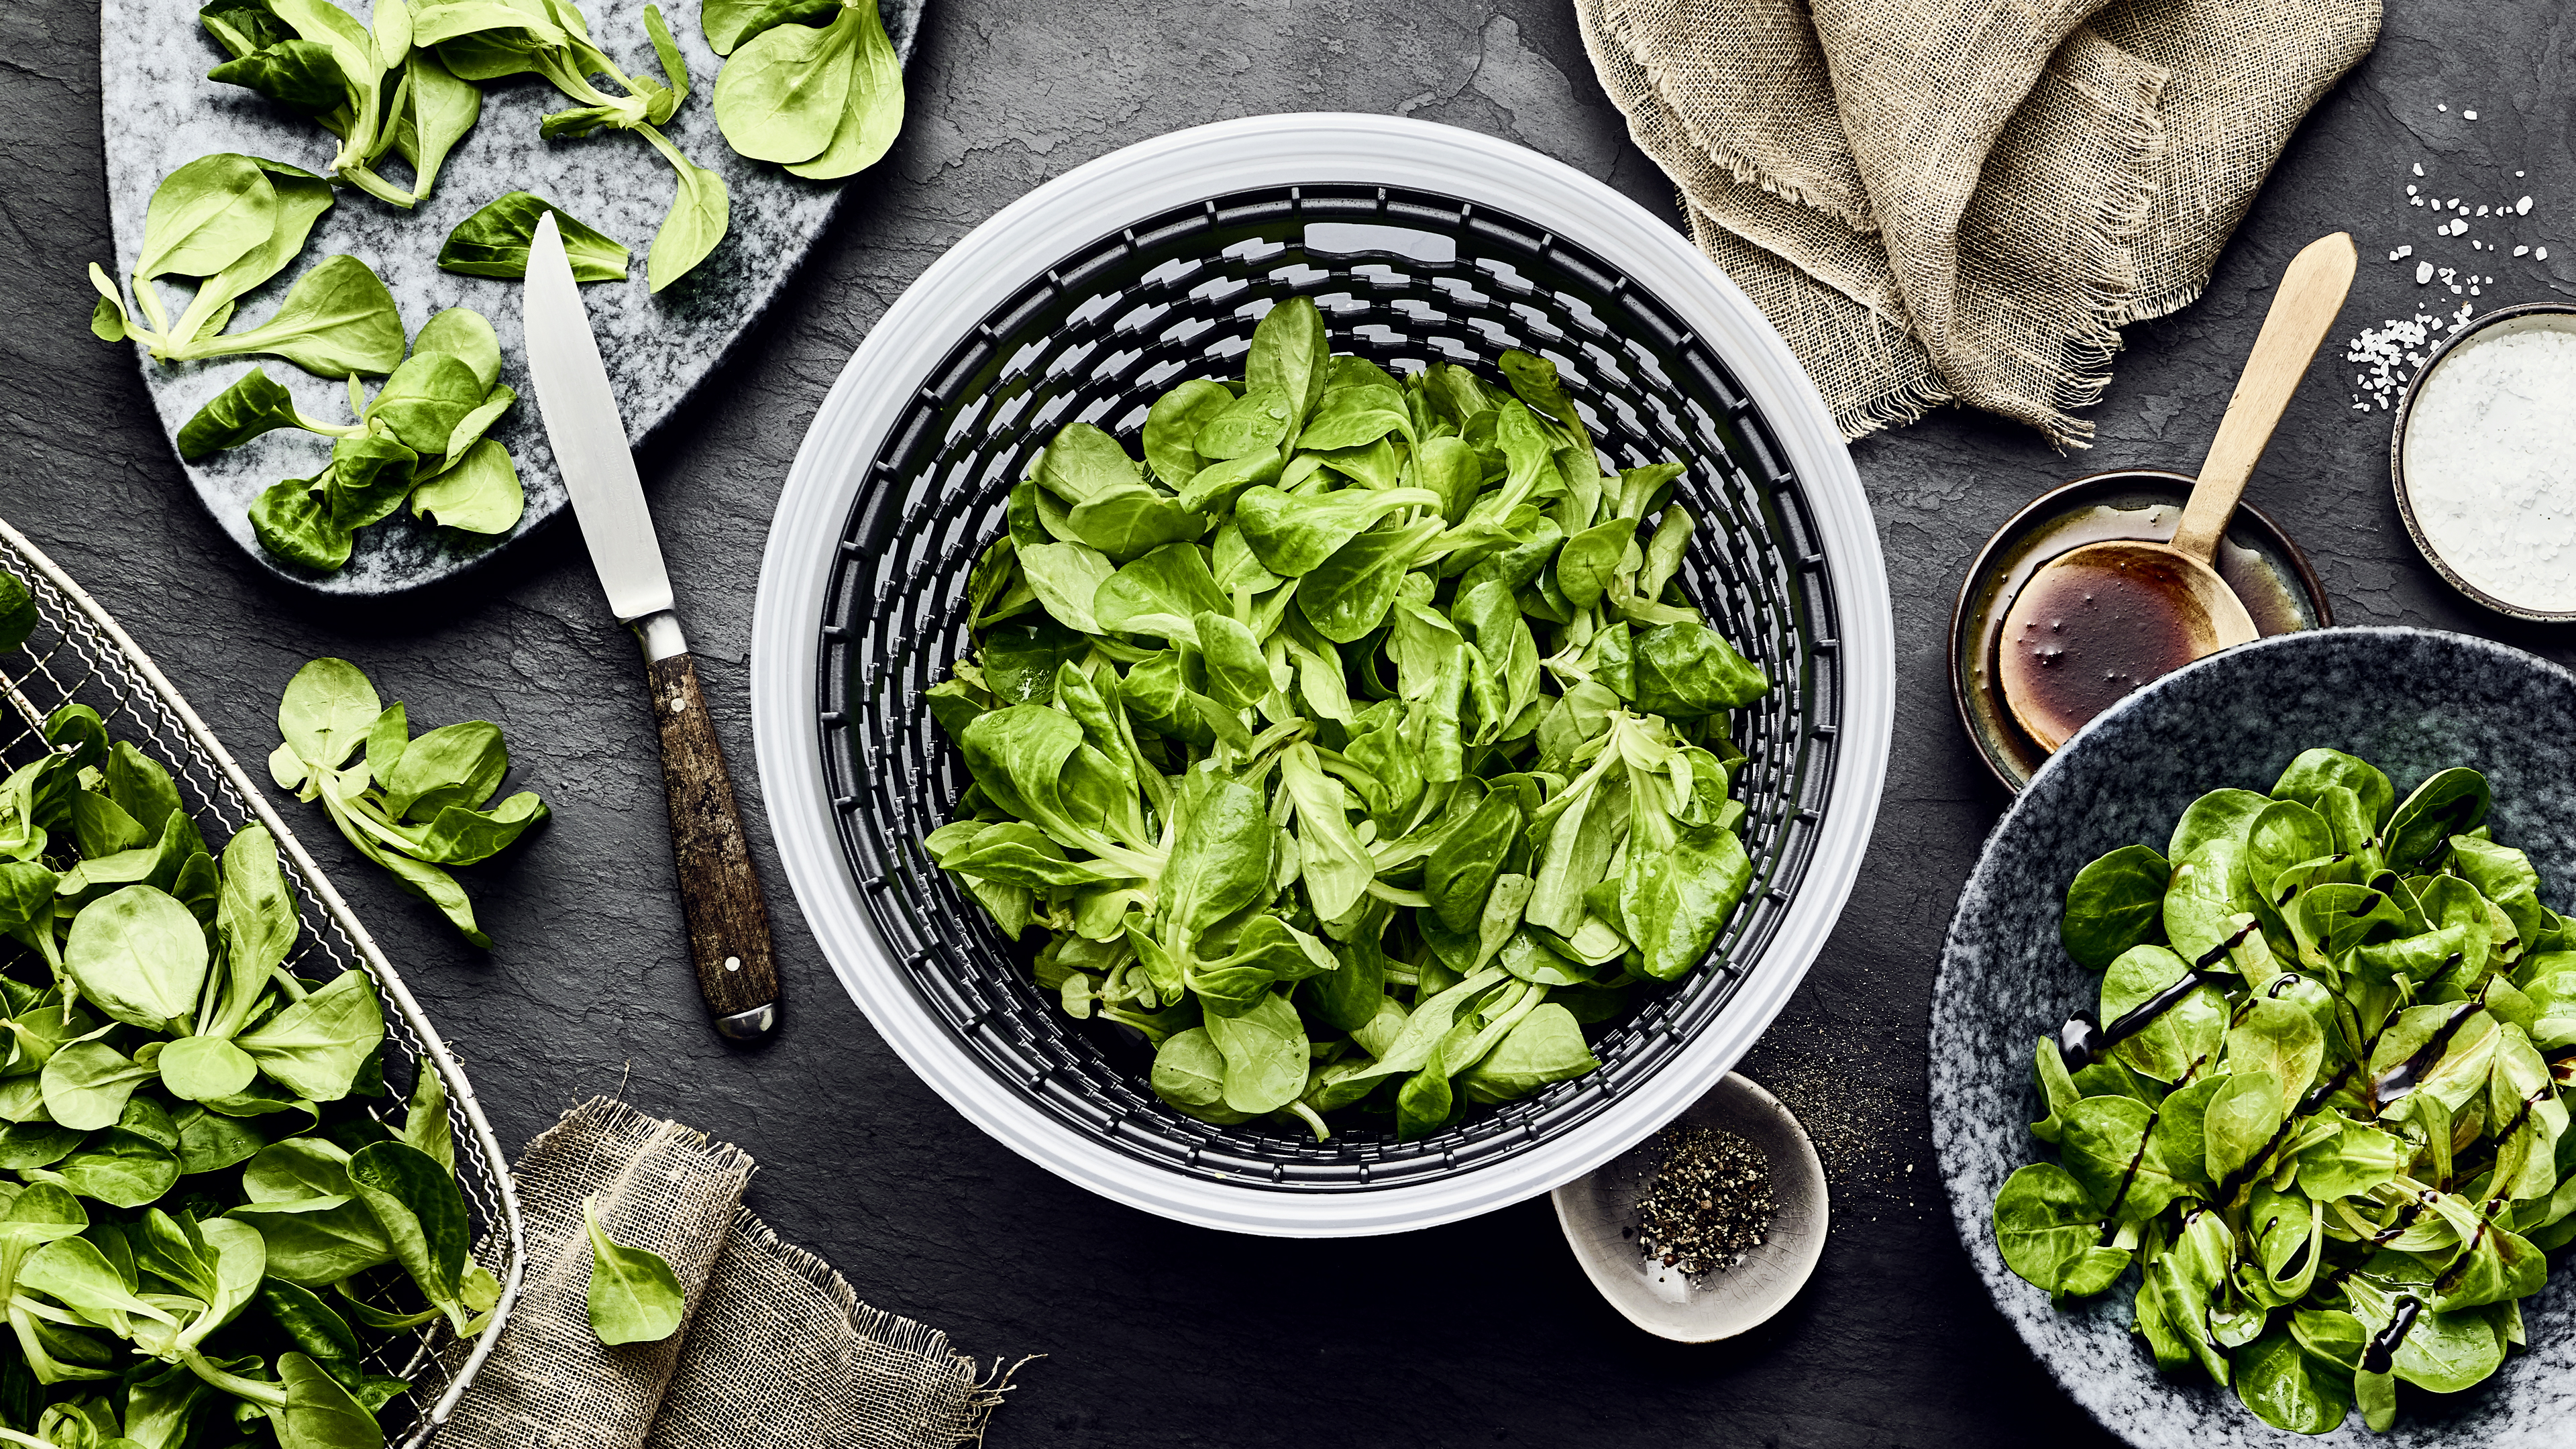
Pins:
x: 1084, y: 300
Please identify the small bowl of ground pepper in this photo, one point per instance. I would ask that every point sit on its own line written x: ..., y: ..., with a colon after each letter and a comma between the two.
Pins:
x: 1708, y: 1228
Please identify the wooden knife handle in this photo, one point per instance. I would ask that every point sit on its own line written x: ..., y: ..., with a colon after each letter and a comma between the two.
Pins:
x: 719, y: 891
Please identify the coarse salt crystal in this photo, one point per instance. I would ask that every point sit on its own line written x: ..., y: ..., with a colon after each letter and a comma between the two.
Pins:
x: 2522, y: 207
x: 2522, y: 251
x: 2455, y: 291
x: 2419, y: 169
x: 2406, y: 251
x: 2423, y: 273
x: 2482, y: 211
x: 2437, y: 105
x: 2469, y: 115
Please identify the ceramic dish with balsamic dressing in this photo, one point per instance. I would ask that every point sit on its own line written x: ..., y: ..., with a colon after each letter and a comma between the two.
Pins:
x: 2256, y: 558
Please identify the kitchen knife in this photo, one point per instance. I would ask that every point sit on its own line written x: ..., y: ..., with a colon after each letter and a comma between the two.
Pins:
x: 719, y: 892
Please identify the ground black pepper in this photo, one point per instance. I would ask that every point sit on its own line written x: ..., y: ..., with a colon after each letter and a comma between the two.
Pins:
x: 1709, y: 1202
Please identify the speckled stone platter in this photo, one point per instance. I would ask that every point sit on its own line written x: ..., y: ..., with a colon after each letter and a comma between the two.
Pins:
x: 161, y: 112
x: 2412, y: 702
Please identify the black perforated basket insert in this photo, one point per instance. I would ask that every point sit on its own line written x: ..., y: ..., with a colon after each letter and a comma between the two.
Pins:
x: 1097, y: 337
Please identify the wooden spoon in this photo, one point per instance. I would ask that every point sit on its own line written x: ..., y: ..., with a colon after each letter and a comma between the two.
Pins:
x: 2097, y: 622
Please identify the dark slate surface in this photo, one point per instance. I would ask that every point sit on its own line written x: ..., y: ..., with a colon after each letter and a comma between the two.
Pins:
x: 1483, y: 1333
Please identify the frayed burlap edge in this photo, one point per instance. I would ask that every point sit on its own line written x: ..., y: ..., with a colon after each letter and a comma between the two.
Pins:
x: 984, y: 1389
x: 1907, y: 384
x: 615, y: 1115
x: 1615, y: 20
x: 2110, y: 284
x: 1899, y: 389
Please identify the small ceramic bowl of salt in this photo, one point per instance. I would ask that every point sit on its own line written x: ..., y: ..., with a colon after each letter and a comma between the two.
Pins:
x: 2485, y: 461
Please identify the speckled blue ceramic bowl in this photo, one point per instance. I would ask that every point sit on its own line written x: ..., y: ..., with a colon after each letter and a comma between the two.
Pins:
x: 2412, y: 702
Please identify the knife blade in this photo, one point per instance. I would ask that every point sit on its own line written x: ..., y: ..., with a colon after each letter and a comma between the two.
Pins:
x: 720, y: 894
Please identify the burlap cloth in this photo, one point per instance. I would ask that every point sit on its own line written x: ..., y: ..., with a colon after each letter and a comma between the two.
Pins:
x: 776, y: 1351
x: 1964, y: 200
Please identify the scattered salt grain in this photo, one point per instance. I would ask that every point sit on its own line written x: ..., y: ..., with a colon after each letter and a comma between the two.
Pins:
x: 2419, y: 170
x: 2482, y: 211
x: 2522, y: 251
x: 2437, y: 105
x: 2423, y: 273
x: 2469, y: 115
x: 2522, y: 207
x: 2389, y: 354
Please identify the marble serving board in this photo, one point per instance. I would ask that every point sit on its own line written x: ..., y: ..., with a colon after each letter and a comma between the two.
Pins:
x: 161, y: 112
x: 2410, y: 701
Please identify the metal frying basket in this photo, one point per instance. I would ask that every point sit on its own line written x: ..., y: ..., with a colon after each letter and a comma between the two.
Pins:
x: 78, y: 655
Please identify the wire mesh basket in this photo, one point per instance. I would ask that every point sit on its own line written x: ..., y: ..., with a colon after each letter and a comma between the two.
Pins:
x: 1404, y: 278
x: 79, y: 655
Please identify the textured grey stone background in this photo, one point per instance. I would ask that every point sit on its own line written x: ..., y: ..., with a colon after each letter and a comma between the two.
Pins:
x: 1483, y: 1333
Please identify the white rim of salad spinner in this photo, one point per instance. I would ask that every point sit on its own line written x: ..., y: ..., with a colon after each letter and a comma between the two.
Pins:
x: 985, y: 269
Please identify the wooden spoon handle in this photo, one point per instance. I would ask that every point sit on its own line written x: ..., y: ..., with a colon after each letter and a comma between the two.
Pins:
x: 2303, y: 310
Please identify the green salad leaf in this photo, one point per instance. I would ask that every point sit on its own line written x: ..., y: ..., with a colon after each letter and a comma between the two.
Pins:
x: 811, y: 84
x: 1294, y: 742
x: 233, y: 222
x: 193, y: 1125
x: 2322, y: 1105
x: 420, y: 438
x: 634, y: 1295
x: 409, y: 87
x: 494, y: 241
x: 413, y: 806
